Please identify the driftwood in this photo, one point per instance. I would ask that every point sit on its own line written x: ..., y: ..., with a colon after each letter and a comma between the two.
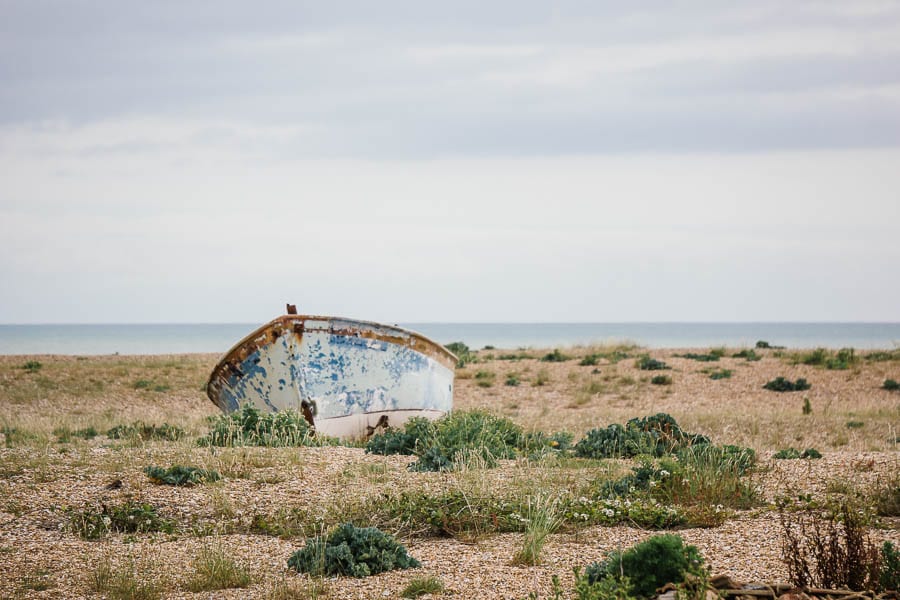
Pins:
x: 784, y: 591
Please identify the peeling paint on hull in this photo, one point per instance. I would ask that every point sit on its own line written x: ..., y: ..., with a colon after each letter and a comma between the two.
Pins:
x: 351, y: 373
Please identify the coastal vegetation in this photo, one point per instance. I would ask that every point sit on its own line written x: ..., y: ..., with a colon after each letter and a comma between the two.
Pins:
x: 575, y: 465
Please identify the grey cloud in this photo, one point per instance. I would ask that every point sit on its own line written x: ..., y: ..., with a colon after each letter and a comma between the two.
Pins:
x: 350, y: 73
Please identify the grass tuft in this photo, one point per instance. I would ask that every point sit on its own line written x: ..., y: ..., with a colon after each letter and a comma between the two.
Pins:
x: 214, y: 569
x: 541, y: 519
x: 421, y: 586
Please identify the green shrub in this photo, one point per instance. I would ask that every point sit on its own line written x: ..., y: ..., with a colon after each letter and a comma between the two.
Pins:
x: 780, y: 384
x: 765, y: 344
x: 890, y: 385
x: 882, y: 355
x: 793, y: 453
x: 889, y: 578
x: 703, y: 474
x: 354, y: 551
x: 515, y: 357
x: 463, y: 354
x: 661, y: 380
x: 613, y: 442
x: 464, y: 436
x: 130, y: 517
x: 720, y: 374
x: 555, y: 356
x: 710, y: 357
x: 601, y: 586
x: 484, y: 378
x: 649, y: 565
x: 655, y: 435
x: 512, y: 380
x: 645, y: 363
x: 417, y: 431
x: 180, y: 475
x: 32, y: 366
x: 142, y: 384
x: 855, y: 424
x: 251, y: 427
x: 844, y: 359
x: 421, y: 586
x: 144, y: 431
x: 815, y: 358
x: 749, y: 355
x: 589, y: 361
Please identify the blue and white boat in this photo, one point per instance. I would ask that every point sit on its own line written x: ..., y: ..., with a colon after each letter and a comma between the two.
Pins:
x: 347, y: 377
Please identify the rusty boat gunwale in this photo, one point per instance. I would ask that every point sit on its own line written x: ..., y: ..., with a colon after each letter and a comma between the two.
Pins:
x: 296, y: 325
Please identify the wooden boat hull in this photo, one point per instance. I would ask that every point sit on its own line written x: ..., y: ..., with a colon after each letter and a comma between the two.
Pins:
x: 347, y: 376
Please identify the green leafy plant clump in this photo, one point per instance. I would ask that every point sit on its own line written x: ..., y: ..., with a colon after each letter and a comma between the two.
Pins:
x: 251, y: 427
x: 33, y: 366
x: 646, y: 363
x: 130, y: 517
x: 661, y: 380
x: 353, y: 551
x: 762, y: 344
x: 655, y: 435
x: 145, y: 431
x: 181, y: 475
x: 780, y: 384
x: 702, y: 475
x: 748, y: 354
x: 464, y: 354
x: 793, y: 453
x: 648, y: 565
x: 720, y: 374
x: 889, y: 577
x: 890, y: 385
x: 709, y: 357
x: 555, y: 356
x: 462, y: 436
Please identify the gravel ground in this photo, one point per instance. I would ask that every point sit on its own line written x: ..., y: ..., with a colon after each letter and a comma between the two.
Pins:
x: 39, y: 480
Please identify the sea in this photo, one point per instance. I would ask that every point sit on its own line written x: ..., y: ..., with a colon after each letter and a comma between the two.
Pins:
x: 181, y: 338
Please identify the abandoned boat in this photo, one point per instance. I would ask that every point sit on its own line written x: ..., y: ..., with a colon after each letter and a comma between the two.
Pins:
x: 347, y: 377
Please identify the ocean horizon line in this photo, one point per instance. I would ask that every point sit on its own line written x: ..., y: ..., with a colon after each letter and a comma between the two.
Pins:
x: 675, y: 322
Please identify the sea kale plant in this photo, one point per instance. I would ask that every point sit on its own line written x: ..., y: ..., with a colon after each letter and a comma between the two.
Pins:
x: 354, y: 551
x: 95, y: 522
x: 181, y: 475
x: 463, y: 436
x: 780, y: 384
x: 654, y: 435
x: 647, y: 566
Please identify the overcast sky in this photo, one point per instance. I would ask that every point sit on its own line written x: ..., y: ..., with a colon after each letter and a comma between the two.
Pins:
x: 453, y: 161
